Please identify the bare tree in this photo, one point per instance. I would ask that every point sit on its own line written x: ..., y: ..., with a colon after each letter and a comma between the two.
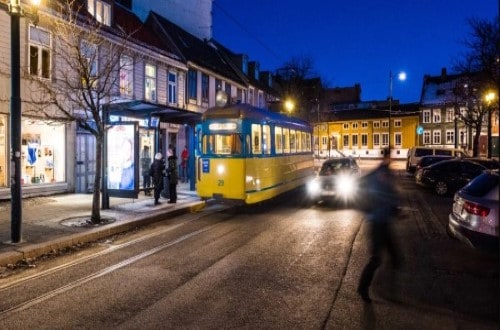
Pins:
x: 86, y: 64
x: 479, y: 71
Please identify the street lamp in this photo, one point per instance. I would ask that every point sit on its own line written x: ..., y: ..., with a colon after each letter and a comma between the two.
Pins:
x: 489, y: 97
x: 289, y: 106
x: 402, y: 77
x: 16, y: 12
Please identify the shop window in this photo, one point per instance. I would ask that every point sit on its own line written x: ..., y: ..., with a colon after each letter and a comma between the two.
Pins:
x: 42, y: 152
x: 39, y: 59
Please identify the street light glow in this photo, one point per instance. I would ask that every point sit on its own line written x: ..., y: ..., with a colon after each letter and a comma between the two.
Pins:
x: 489, y: 97
x: 289, y: 105
x: 402, y: 76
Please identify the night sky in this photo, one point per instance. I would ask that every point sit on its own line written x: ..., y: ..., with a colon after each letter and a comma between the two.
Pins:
x: 353, y: 41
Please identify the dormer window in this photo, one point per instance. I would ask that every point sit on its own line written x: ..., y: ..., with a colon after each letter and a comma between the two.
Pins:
x: 100, y: 10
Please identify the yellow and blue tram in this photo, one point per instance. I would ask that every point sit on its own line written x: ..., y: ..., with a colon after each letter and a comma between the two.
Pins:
x: 248, y: 154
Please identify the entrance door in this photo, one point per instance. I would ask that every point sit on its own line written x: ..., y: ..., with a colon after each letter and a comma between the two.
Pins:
x: 85, y: 163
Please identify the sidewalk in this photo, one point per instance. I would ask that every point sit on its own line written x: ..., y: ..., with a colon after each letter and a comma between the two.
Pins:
x: 44, y: 220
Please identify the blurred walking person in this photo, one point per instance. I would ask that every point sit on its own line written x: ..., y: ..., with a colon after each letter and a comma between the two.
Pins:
x: 173, y: 175
x: 383, y: 207
x: 157, y: 169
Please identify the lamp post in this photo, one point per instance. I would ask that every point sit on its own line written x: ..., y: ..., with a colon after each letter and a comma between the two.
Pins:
x: 15, y: 12
x: 489, y: 97
x: 401, y: 77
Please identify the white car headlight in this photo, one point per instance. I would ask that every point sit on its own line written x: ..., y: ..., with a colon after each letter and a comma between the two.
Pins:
x: 313, y: 187
x: 346, y: 185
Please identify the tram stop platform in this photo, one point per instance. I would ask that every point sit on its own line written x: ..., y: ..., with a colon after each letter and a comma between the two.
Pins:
x: 49, y: 223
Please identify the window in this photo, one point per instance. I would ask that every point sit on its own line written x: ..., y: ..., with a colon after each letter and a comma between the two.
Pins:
x: 126, y: 76
x: 286, y: 142
x: 172, y: 87
x: 376, y: 140
x: 346, y: 126
x: 278, y: 139
x: 298, y: 141
x: 256, y: 139
x: 354, y: 140
x: 427, y: 137
x: 385, y: 123
x: 324, y: 141
x: 376, y: 124
x: 354, y: 125
x: 364, y: 140
x: 346, y: 141
x: 266, y: 139
x: 150, y: 83
x: 227, y: 87
x: 436, y: 115
x: 364, y: 124
x: 397, y: 123
x: 398, y: 139
x: 39, y: 53
x: 450, y: 137
x: 436, y: 137
x: 205, y: 87
x: 222, y: 144
x: 250, y: 96
x: 192, y: 85
x: 385, y: 139
x: 292, y: 141
x: 426, y: 116
x: 100, y: 10
x: 450, y: 115
x: 89, y: 52
x: 261, y: 100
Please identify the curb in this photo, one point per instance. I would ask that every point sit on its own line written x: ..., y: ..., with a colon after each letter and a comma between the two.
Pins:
x: 31, y: 251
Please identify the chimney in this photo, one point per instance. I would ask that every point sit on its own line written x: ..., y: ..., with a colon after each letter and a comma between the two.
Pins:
x: 443, y: 73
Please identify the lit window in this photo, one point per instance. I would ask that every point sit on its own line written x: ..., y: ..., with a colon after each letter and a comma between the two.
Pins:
x: 150, y: 83
x: 100, y: 10
x: 450, y: 137
x: 39, y: 53
x: 256, y: 139
x: 126, y: 76
x: 278, y: 139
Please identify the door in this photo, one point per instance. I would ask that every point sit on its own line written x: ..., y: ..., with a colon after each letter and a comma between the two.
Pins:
x: 85, y: 163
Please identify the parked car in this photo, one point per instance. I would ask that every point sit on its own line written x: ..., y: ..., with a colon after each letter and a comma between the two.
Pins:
x: 491, y: 164
x: 429, y: 160
x: 336, y: 180
x: 474, y: 216
x: 415, y: 153
x: 447, y: 176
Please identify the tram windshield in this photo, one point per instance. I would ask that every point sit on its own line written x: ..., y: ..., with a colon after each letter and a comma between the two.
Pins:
x: 222, y: 144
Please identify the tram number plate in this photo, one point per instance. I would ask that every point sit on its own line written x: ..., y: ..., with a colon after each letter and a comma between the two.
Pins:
x: 205, y: 164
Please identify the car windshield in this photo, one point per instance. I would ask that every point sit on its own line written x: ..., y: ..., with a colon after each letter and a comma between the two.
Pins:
x: 333, y: 167
x: 482, y: 184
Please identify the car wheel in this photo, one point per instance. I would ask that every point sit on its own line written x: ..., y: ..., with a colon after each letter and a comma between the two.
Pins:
x: 441, y: 188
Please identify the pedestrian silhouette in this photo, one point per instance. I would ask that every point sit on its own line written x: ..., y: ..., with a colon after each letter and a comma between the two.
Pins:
x: 381, y: 210
x: 157, y: 171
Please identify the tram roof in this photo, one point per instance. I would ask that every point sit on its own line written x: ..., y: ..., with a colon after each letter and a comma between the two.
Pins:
x: 247, y: 111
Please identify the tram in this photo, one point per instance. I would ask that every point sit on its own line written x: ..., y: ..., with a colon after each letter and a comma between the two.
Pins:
x: 248, y: 155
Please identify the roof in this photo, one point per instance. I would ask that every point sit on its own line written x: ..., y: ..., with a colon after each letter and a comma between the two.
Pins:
x: 193, y: 49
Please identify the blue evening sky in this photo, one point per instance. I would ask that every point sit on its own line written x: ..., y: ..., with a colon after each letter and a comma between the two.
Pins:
x: 353, y: 41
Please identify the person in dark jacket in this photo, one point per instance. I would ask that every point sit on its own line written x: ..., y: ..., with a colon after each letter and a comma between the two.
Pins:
x: 384, y: 202
x: 157, y: 169
x: 173, y: 175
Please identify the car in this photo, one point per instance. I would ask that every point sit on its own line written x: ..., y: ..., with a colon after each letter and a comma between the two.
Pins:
x: 447, y: 176
x: 491, y: 164
x: 474, y: 216
x: 415, y: 153
x: 336, y: 180
x: 429, y: 160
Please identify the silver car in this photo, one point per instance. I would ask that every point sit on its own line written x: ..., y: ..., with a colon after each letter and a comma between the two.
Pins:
x: 474, y: 218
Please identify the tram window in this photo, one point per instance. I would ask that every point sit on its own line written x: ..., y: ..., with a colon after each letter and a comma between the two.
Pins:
x: 304, y: 143
x: 298, y: 142
x: 256, y: 137
x: 278, y: 139
x: 286, y: 144
x: 266, y: 139
x: 308, y: 141
x: 292, y: 141
x: 248, y: 140
x: 222, y: 144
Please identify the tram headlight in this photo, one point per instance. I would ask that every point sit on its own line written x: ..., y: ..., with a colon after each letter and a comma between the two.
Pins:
x: 221, y: 169
x: 313, y: 187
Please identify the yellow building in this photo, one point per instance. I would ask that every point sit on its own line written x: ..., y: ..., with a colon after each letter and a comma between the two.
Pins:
x: 365, y: 133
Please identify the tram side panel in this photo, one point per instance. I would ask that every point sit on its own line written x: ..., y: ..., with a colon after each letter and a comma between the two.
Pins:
x: 221, y: 178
